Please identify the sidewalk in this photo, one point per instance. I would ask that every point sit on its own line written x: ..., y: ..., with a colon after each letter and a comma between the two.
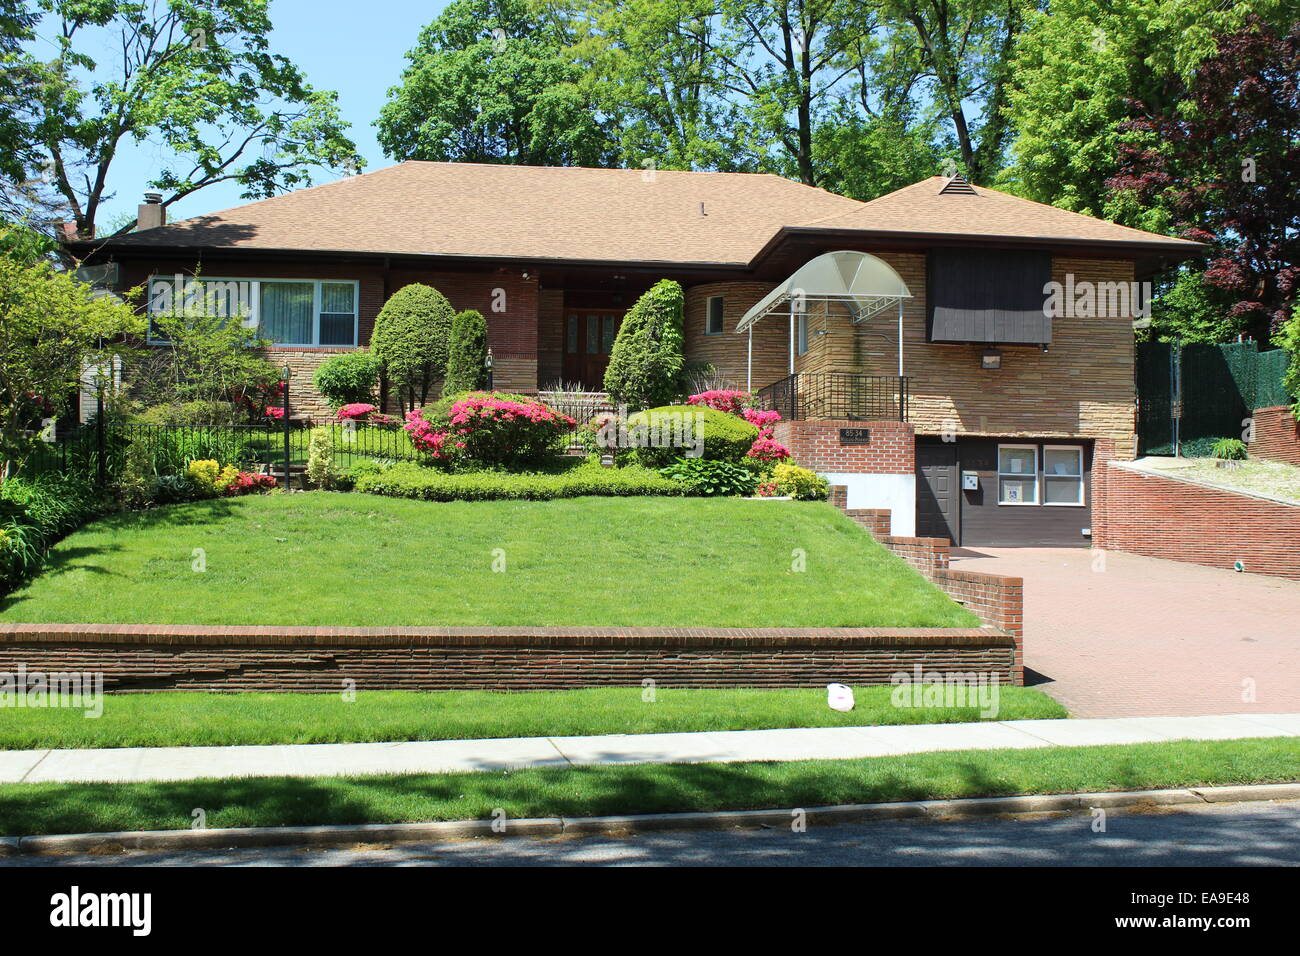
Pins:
x: 136, y: 764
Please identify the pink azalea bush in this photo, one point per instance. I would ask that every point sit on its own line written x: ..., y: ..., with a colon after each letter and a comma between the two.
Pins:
x: 741, y: 404
x: 767, y: 448
x: 489, y: 428
x: 248, y: 483
x: 724, y: 400
x: 273, y: 411
x: 357, y: 411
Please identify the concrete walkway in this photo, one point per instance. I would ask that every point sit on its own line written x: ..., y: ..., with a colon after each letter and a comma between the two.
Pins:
x: 823, y: 743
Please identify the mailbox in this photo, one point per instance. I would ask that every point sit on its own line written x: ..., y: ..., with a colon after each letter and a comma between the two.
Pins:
x: 970, y: 481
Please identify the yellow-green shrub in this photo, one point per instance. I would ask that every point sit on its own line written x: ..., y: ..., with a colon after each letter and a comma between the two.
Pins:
x: 799, y: 482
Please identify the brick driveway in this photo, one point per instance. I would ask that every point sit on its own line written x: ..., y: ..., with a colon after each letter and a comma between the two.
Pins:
x: 1118, y: 635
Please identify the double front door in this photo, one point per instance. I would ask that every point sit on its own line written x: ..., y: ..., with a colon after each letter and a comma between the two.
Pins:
x: 588, y: 340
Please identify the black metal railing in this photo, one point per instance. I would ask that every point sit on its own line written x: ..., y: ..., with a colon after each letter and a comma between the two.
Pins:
x: 99, y: 450
x: 845, y: 396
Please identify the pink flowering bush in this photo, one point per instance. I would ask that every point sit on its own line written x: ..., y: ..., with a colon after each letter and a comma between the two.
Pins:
x: 248, y: 483
x: 273, y: 411
x: 357, y: 411
x: 724, y: 400
x: 494, y: 429
x: 767, y: 448
x: 761, y: 418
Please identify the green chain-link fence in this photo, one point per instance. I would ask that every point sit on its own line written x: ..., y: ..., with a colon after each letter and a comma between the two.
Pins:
x: 1221, y: 385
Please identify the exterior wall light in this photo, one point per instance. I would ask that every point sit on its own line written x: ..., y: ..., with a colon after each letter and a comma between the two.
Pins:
x: 991, y: 359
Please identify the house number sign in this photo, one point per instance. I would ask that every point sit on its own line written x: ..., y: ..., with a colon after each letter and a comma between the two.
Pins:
x: 855, y: 436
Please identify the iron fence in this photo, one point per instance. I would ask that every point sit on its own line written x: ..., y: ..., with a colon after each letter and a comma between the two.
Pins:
x: 100, y: 449
x: 848, y: 396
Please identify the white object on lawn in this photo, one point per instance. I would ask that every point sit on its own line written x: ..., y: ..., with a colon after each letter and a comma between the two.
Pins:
x: 839, y: 697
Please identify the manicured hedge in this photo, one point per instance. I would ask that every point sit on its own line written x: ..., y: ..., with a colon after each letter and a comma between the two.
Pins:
x: 726, y: 437
x: 406, y: 480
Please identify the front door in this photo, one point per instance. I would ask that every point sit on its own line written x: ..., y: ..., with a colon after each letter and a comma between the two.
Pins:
x: 588, y: 340
x: 938, y: 510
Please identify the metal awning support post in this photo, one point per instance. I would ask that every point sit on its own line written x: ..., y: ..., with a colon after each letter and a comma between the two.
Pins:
x: 749, y: 362
x: 900, y: 338
x: 792, y: 340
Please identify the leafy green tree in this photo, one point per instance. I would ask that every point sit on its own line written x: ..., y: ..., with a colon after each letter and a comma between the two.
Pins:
x: 864, y: 158
x: 646, y: 364
x: 489, y: 81
x: 410, y: 338
x: 51, y: 328
x: 961, y: 52
x: 1074, y: 71
x: 1186, y: 305
x: 466, y: 354
x: 348, y: 378
x: 197, y: 76
x: 208, y: 358
x: 1288, y: 337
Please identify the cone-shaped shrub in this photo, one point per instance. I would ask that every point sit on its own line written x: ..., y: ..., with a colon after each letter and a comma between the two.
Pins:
x: 410, y: 338
x: 645, y: 367
x: 466, y: 354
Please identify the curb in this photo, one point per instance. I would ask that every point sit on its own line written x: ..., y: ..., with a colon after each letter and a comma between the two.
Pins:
x: 327, y: 836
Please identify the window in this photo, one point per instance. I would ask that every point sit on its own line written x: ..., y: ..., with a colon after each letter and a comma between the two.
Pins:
x: 571, y: 335
x: 593, y: 335
x: 1017, y: 474
x: 1062, y: 475
x: 713, y: 323
x: 285, y: 311
x: 610, y: 331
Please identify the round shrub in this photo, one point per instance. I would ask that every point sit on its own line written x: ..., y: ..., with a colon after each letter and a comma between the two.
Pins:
x: 726, y: 437
x: 410, y: 338
x: 799, y: 482
x: 494, y: 429
x: 348, y: 379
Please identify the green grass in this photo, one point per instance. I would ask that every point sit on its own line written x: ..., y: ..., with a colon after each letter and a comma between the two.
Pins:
x: 173, y: 720
x: 27, y: 809
x: 323, y: 558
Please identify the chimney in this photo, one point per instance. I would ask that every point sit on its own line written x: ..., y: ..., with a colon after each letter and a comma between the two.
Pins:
x: 151, y: 213
x: 68, y: 232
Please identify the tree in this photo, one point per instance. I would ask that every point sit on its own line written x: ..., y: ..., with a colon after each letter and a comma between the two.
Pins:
x: 1225, y: 168
x: 489, y: 81
x: 208, y: 358
x: 964, y: 50
x: 1288, y: 337
x: 197, y: 76
x: 646, y: 364
x: 1074, y: 71
x: 1186, y: 305
x: 466, y: 354
x: 51, y: 328
x: 410, y: 338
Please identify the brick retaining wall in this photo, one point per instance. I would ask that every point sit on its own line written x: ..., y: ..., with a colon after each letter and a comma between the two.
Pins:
x: 1277, y: 435
x: 138, y: 658
x: 996, y: 599
x: 1163, y: 517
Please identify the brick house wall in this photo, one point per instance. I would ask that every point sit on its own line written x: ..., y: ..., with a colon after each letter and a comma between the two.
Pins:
x: 816, y: 445
x: 1165, y: 517
x: 509, y: 302
x: 1277, y: 435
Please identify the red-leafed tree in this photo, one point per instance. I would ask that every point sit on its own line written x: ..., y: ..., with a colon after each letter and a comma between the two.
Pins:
x: 1227, y: 166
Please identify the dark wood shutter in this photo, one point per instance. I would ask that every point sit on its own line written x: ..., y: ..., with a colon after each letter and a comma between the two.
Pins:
x: 994, y: 296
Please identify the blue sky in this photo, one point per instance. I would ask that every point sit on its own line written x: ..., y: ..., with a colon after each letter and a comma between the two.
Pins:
x: 356, y: 49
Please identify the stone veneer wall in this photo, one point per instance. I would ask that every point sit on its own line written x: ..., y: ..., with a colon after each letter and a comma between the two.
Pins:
x: 1081, y: 387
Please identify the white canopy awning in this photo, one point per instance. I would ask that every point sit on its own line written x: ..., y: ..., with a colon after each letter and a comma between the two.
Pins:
x: 865, y: 284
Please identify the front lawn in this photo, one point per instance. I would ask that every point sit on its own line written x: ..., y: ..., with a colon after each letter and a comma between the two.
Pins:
x: 324, y: 558
x: 35, y: 808
x: 199, y: 720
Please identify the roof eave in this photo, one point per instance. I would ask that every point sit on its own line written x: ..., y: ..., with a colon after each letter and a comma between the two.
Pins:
x: 1172, y: 249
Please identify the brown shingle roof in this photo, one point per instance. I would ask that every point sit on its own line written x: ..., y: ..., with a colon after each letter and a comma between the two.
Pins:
x: 926, y: 208
x: 517, y: 212
x: 612, y: 215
